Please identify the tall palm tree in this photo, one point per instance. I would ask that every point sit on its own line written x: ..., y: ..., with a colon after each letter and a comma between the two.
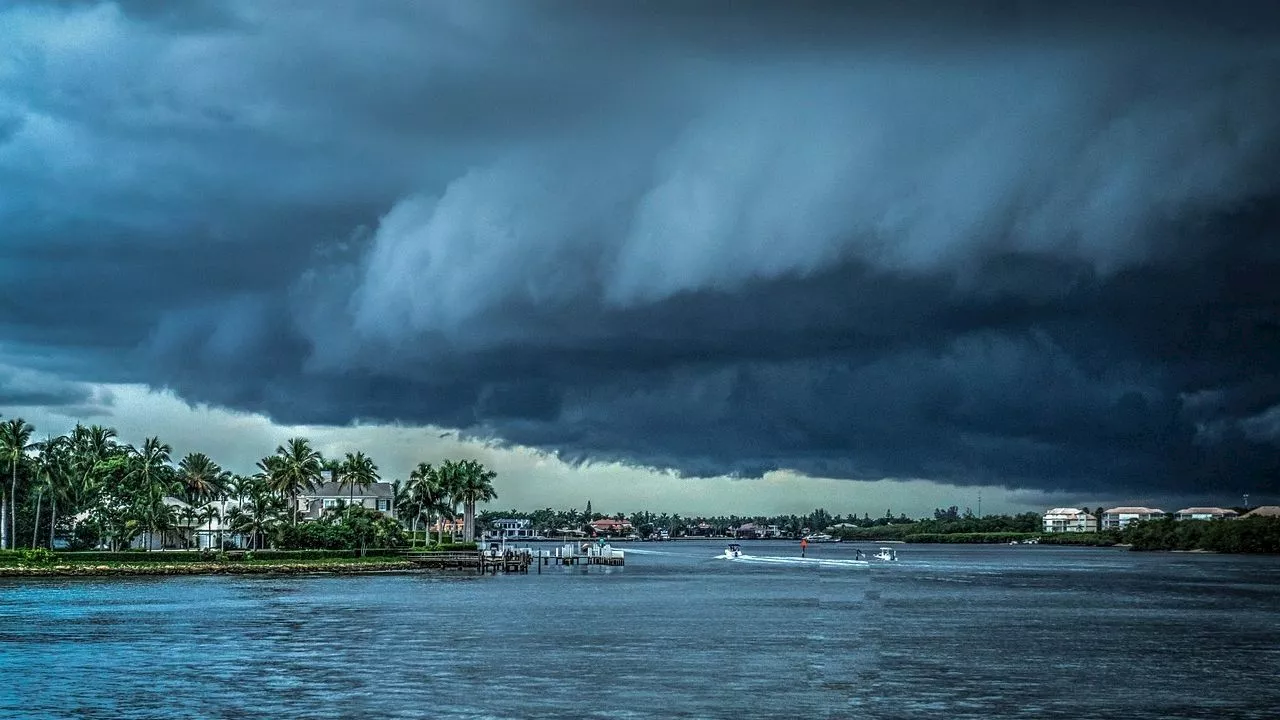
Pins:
x: 153, y: 478
x: 52, y: 468
x: 449, y: 477
x: 298, y: 468
x: 91, y: 446
x: 358, y: 469
x: 475, y: 485
x: 15, y: 441
x: 208, y: 514
x: 257, y: 516
x: 430, y: 497
x: 201, y: 477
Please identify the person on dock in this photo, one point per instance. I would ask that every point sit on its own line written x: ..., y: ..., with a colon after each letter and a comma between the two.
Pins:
x: 804, y: 543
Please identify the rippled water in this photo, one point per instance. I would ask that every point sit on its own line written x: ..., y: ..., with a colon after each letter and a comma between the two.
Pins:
x: 948, y: 631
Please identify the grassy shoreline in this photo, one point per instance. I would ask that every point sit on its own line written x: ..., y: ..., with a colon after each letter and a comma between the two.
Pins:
x: 240, y: 567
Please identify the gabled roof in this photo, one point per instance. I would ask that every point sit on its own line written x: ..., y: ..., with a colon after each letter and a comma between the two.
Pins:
x: 1264, y: 511
x: 1067, y: 511
x: 1205, y: 511
x: 1133, y: 511
x: 342, y: 490
x: 610, y: 522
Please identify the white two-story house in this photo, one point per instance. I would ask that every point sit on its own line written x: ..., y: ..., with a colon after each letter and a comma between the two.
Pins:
x: 1060, y: 520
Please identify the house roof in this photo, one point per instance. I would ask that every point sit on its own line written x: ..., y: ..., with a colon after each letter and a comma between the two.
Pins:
x: 1264, y: 511
x: 1133, y: 511
x: 609, y: 522
x: 1067, y: 511
x: 342, y: 490
x: 1205, y: 511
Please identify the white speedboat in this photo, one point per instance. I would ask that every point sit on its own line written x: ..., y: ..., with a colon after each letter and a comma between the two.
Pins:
x: 886, y: 554
x: 820, y: 538
x: 733, y: 551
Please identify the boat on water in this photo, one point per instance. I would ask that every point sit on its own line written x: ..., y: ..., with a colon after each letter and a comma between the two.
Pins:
x: 886, y: 554
x: 821, y: 538
x: 733, y: 551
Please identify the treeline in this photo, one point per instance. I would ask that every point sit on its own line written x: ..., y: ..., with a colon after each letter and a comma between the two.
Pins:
x: 1019, y: 524
x: 92, y: 491
x: 547, y: 521
x: 1245, y: 535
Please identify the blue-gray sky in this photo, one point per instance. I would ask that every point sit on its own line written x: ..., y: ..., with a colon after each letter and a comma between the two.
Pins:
x: 974, y: 244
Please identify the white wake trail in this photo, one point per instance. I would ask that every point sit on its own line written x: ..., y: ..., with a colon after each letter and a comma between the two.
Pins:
x: 781, y: 560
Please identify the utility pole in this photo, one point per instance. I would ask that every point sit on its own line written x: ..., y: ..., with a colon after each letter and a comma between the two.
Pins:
x: 979, y: 503
x: 1246, y: 501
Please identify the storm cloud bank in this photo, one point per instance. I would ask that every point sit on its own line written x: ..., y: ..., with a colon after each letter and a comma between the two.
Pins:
x: 980, y: 244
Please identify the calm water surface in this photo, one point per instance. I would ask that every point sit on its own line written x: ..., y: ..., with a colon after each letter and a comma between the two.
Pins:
x: 948, y: 632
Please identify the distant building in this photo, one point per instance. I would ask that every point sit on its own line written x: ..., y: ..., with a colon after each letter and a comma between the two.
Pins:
x: 1263, y: 511
x: 176, y: 536
x: 748, y: 531
x: 702, y: 529
x: 1119, y: 517
x: 1059, y: 520
x: 511, y: 529
x: 609, y: 526
x: 1205, y: 513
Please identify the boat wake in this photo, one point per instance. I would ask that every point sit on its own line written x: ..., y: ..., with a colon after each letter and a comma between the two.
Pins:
x: 782, y: 560
x: 637, y: 551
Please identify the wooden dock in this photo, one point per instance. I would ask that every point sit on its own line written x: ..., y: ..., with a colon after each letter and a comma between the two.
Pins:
x: 516, y: 560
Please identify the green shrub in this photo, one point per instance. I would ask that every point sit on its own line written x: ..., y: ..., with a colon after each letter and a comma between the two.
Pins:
x: 35, y: 556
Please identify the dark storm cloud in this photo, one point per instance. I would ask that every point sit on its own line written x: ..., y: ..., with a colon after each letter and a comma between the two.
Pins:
x: 973, y: 242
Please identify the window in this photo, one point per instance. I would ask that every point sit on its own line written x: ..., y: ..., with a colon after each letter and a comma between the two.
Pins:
x: 384, y: 504
x: 330, y: 503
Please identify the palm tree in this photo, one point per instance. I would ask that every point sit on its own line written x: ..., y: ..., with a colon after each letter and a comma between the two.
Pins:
x: 201, y: 476
x: 90, y: 446
x: 449, y: 478
x: 153, y: 477
x: 15, y: 441
x: 51, y: 469
x: 297, y: 468
x: 256, y: 517
x: 208, y: 514
x: 475, y: 485
x: 358, y: 469
x: 431, y: 498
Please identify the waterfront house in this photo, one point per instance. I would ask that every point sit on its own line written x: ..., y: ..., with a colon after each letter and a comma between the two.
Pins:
x: 748, y: 531
x: 329, y: 495
x: 453, y: 527
x: 511, y: 529
x: 1118, y: 517
x: 1059, y: 520
x: 1205, y: 513
x: 176, y: 536
x: 1264, y: 511
x: 702, y: 529
x: 610, y: 526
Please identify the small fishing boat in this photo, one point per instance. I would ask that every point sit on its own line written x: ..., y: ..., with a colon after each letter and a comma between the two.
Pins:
x: 733, y: 551
x: 886, y: 554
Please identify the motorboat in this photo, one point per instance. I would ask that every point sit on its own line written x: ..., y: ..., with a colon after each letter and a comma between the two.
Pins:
x: 733, y: 551
x: 886, y: 554
x: 820, y: 538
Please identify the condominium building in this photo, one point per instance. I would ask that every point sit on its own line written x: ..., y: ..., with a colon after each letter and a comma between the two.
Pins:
x: 1205, y: 513
x: 1118, y: 517
x: 1060, y: 520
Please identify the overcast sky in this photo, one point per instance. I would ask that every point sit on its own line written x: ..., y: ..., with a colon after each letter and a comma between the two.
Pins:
x: 686, y: 256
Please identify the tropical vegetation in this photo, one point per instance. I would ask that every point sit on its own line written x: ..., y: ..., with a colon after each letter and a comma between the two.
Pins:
x: 92, y: 491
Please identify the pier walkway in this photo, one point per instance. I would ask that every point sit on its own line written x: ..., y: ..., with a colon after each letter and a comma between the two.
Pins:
x: 516, y: 559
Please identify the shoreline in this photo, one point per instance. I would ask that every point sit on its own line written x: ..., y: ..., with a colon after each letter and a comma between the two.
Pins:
x: 196, y: 568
